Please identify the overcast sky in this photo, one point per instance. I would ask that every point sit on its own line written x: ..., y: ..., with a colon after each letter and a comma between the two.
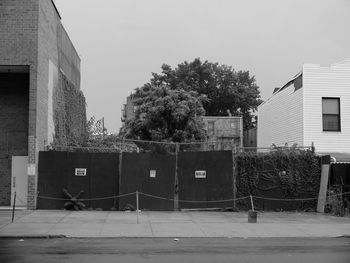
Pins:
x: 121, y: 42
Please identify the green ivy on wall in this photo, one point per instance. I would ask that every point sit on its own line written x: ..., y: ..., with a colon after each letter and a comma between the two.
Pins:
x: 69, y: 114
x: 281, y: 174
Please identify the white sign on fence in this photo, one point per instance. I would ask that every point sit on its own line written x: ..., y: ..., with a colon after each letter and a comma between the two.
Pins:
x: 31, y: 169
x: 200, y: 174
x: 152, y: 173
x: 80, y: 171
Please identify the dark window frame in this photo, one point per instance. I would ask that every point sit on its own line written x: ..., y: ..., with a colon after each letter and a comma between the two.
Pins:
x: 325, y: 114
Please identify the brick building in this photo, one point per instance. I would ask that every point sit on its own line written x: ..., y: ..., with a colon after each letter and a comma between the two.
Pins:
x: 35, y: 54
x: 129, y: 109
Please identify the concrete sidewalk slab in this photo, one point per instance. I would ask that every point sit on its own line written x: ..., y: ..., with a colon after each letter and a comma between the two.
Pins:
x: 6, y: 216
x: 188, y: 229
x: 170, y: 224
x: 127, y: 230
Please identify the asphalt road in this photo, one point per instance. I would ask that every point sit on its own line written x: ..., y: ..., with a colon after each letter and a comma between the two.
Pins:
x: 202, y: 250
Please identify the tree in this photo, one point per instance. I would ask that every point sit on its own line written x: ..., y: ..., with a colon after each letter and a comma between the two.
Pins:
x: 228, y: 91
x: 98, y: 136
x: 165, y: 114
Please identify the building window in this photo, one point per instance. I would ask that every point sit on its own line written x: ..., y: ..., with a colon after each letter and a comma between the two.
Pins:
x: 211, y: 128
x: 331, y: 114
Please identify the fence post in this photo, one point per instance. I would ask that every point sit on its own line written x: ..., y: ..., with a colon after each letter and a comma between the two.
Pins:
x: 176, y: 192
x: 251, y: 202
x: 322, y: 193
x: 234, y: 174
x: 120, y: 173
x: 252, y: 214
x: 313, y: 147
x: 137, y: 206
x: 14, y: 207
x: 241, y: 132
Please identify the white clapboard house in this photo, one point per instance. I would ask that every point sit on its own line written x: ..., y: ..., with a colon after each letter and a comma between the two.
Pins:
x: 314, y: 106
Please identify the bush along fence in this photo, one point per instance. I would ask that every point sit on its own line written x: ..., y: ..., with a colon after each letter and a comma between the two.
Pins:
x: 278, y: 179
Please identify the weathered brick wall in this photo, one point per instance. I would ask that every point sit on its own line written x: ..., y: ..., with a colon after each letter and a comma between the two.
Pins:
x: 5, y: 181
x: 31, y: 34
x: 19, y: 46
x: 19, y: 43
x: 54, y: 45
x: 14, y: 103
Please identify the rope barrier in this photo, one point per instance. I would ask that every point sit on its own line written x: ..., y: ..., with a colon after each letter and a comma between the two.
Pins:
x: 82, y: 199
x: 188, y: 201
x: 102, y: 198
x: 298, y: 199
x: 286, y: 199
x: 193, y: 201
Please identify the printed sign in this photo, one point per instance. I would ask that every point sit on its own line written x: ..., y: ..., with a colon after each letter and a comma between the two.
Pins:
x: 200, y: 174
x: 152, y: 173
x: 31, y: 169
x: 80, y: 171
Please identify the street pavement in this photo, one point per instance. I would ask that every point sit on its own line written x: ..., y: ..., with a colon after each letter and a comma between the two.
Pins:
x: 99, y: 224
x: 203, y: 250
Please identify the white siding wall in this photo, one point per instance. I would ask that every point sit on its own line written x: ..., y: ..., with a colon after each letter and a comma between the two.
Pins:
x: 321, y: 82
x: 280, y: 119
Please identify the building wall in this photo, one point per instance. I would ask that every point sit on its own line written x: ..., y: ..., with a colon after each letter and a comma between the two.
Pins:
x: 19, y: 43
x: 223, y: 130
x: 14, y: 105
x: 56, y: 55
x: 32, y: 35
x: 18, y: 46
x: 333, y: 81
x: 128, y: 110
x: 47, y: 61
x: 54, y: 46
x: 280, y: 118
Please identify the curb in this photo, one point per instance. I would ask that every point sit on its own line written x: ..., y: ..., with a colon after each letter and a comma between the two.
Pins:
x: 33, y: 237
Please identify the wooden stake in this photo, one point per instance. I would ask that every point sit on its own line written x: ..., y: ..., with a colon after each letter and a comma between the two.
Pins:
x: 14, y: 207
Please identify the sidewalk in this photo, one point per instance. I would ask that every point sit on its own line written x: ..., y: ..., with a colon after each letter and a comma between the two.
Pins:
x: 170, y: 224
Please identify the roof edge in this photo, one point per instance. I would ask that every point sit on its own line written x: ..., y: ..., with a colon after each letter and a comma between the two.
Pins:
x: 58, y: 13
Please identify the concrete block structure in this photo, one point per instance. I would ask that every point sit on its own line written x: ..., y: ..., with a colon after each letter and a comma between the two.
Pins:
x: 35, y: 52
x: 223, y: 133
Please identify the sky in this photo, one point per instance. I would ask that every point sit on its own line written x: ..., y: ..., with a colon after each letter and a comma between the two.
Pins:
x: 121, y: 42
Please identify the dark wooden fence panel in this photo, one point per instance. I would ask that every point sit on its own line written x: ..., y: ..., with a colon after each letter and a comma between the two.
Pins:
x: 135, y: 176
x: 105, y: 180
x: 57, y: 172
x: 218, y: 184
x: 77, y: 183
x: 52, y: 179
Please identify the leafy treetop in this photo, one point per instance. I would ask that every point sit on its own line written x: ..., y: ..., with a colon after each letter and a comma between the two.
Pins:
x: 165, y: 114
x: 228, y: 91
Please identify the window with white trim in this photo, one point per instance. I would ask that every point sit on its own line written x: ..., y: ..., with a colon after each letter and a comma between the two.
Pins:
x: 331, y: 114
